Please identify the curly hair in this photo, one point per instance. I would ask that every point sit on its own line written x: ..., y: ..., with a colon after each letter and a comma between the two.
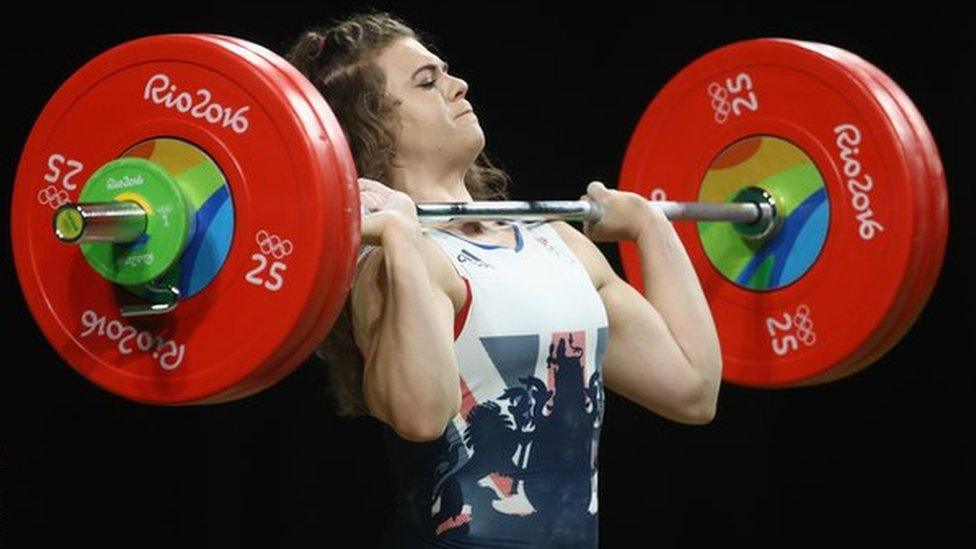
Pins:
x: 339, y: 59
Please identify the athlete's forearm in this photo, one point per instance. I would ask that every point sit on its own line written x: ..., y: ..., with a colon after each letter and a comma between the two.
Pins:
x: 414, y: 359
x: 672, y: 287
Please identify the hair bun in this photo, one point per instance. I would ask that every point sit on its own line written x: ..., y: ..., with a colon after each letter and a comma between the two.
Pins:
x: 317, y: 44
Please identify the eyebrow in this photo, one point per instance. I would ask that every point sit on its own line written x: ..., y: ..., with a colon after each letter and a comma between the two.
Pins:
x: 429, y: 66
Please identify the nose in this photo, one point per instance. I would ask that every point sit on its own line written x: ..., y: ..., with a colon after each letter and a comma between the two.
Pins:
x: 459, y: 89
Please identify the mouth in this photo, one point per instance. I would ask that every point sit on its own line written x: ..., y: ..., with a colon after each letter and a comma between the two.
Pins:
x: 469, y: 111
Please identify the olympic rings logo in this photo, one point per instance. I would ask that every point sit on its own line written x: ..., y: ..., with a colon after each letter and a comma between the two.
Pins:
x: 804, y: 326
x: 796, y: 329
x: 720, y: 102
x: 271, y: 244
x: 52, y: 196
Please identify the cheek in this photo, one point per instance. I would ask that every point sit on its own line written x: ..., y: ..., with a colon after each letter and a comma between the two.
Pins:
x: 423, y: 115
x: 420, y: 119
x: 430, y: 110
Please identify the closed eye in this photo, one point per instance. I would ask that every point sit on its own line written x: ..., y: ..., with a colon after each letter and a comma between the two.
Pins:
x: 433, y: 71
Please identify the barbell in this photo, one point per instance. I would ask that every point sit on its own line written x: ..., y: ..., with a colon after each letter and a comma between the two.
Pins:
x: 186, y: 217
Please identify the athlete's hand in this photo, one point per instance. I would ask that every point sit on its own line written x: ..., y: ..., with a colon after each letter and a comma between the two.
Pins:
x: 385, y: 210
x: 625, y: 214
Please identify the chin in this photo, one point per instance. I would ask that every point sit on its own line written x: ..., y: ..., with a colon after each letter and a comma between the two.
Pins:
x: 480, y: 140
x: 473, y: 143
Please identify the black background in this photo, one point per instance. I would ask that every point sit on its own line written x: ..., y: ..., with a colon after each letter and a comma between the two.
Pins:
x: 886, y: 455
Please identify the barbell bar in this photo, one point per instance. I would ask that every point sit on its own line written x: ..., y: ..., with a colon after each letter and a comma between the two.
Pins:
x: 124, y: 221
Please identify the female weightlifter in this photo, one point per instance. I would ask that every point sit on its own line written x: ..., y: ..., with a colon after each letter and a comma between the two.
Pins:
x: 484, y: 347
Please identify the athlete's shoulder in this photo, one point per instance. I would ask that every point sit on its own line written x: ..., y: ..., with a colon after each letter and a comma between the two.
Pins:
x: 441, y: 268
x: 586, y: 252
x: 370, y: 284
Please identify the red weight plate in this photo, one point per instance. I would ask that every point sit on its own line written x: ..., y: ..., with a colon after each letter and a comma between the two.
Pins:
x: 255, y: 382
x: 839, y: 305
x: 905, y: 311
x: 190, y: 88
x: 348, y: 191
x: 938, y: 198
x: 326, y: 163
x: 932, y: 185
x: 903, y: 308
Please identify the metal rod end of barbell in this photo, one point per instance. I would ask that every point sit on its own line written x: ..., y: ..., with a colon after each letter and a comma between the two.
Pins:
x: 116, y: 222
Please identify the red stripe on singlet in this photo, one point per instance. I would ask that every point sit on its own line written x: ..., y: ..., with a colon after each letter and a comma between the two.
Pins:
x: 462, y: 315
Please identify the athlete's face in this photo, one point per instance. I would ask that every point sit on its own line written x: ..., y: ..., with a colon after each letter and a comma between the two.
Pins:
x: 437, y: 122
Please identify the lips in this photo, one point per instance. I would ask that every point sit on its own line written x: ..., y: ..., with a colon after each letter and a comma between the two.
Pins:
x: 464, y: 113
